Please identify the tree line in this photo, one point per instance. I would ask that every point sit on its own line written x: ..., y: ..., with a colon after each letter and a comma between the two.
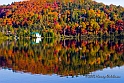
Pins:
x: 61, y: 17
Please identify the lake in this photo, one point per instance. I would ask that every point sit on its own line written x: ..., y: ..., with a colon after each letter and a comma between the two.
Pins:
x: 62, y: 61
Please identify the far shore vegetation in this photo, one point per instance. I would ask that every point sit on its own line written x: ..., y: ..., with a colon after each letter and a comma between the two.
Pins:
x: 61, y: 19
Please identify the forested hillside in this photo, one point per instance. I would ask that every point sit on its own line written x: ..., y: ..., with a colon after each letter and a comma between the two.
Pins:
x: 61, y: 17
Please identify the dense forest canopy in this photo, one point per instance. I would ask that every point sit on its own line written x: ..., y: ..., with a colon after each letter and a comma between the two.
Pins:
x: 68, y: 17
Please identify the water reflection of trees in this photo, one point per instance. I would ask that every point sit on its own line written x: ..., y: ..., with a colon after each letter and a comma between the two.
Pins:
x: 65, y: 57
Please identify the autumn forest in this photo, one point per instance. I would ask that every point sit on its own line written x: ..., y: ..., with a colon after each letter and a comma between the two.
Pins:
x: 60, y: 37
x: 60, y: 18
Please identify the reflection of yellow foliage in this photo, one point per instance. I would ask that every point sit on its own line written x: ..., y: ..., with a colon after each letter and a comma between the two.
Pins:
x: 41, y: 59
x: 87, y: 50
x: 58, y: 26
x: 98, y: 60
x: 83, y: 48
x: 56, y: 60
x: 58, y: 47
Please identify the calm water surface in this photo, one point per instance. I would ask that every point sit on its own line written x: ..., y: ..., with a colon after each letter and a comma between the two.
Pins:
x: 62, y: 61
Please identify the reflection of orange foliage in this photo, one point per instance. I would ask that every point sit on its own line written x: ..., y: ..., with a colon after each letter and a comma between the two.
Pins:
x: 9, y: 52
x: 70, y: 61
x: 58, y: 47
